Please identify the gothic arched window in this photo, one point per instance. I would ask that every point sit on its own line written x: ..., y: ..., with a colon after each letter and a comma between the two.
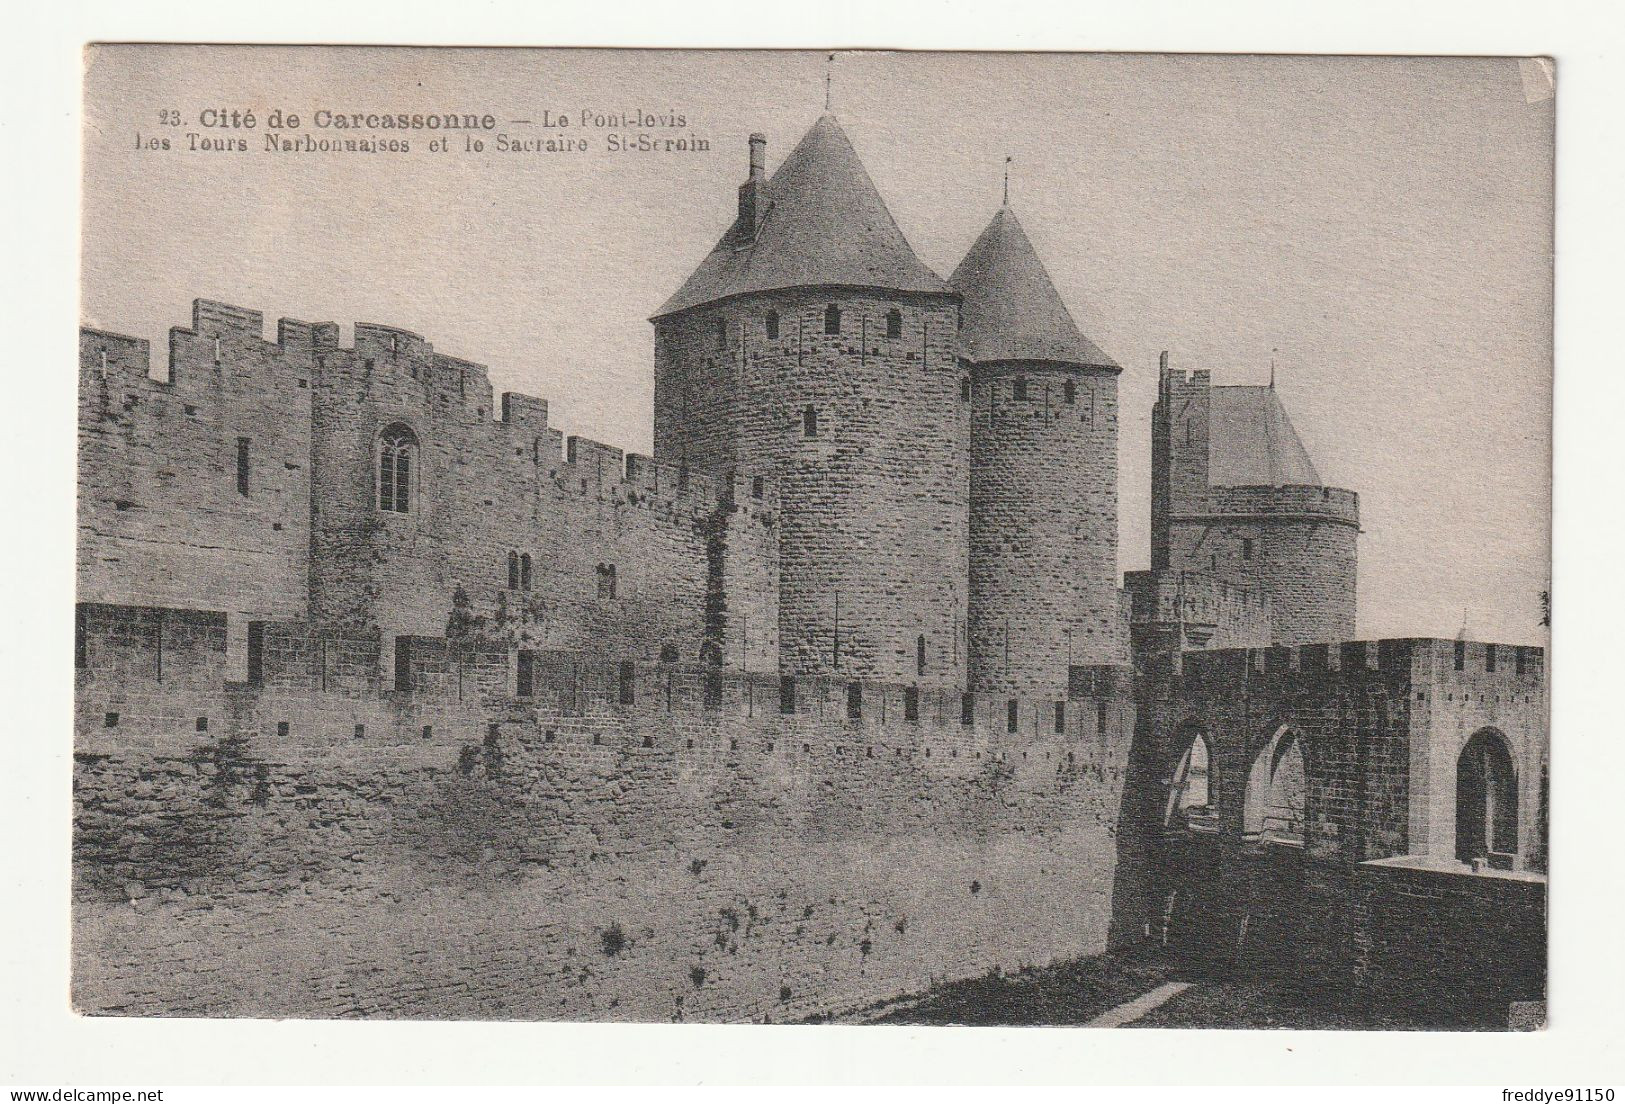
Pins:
x: 513, y: 571
x: 1276, y: 791
x: 397, y: 452
x: 832, y: 319
x: 1191, y: 801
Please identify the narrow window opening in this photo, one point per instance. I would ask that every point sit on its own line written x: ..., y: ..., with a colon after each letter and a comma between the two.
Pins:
x: 1246, y: 548
x: 756, y: 487
x: 403, y: 663
x: 1060, y: 717
x: 203, y: 724
x: 1489, y: 658
x: 282, y: 728
x: 256, y: 651
x: 919, y: 654
x: 854, y: 701
x: 964, y: 389
x: 1012, y: 715
x: 513, y: 571
x: 524, y: 571
x: 809, y: 422
x: 1018, y: 389
x: 773, y: 325
x: 894, y: 323
x: 722, y: 334
x: 242, y: 465
x: 911, y: 703
x: 787, y: 695
x: 527, y: 673
x: 1461, y: 655
x: 628, y: 682
x: 1100, y: 718
x: 967, y: 709
x: 606, y: 581
x: 832, y: 319
x: 1069, y: 392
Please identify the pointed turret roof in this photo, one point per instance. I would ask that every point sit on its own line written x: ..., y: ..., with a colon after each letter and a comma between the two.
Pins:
x: 825, y: 225
x: 1252, y: 442
x: 1010, y: 309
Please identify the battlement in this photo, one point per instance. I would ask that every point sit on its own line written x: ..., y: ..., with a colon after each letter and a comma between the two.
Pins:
x: 224, y: 336
x: 139, y: 655
x: 1425, y: 659
x: 1174, y: 381
x: 1333, y: 504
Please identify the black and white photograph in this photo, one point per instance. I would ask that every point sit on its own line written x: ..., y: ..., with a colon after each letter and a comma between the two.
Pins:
x: 919, y: 541
x: 777, y: 555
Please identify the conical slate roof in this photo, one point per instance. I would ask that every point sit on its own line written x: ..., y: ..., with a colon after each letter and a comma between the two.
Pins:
x: 1010, y: 309
x: 1252, y: 443
x: 826, y: 225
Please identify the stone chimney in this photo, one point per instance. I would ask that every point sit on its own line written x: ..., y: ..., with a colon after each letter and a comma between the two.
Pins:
x: 753, y: 192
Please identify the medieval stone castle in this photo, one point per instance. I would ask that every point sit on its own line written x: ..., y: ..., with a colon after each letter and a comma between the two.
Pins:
x: 837, y: 695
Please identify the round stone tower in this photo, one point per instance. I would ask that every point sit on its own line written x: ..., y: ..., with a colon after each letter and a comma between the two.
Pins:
x: 1043, y: 502
x: 1234, y: 495
x: 813, y: 346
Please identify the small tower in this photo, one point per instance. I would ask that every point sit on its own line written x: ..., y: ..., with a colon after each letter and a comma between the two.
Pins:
x: 1043, y: 501
x: 1234, y: 496
x: 812, y: 345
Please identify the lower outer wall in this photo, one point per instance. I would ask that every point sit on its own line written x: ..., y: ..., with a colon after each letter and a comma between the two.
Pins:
x: 527, y: 878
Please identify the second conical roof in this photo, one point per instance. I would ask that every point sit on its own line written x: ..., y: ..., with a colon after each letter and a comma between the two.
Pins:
x: 1010, y: 309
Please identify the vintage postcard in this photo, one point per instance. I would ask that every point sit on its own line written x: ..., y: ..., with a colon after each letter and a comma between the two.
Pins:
x: 1001, y: 539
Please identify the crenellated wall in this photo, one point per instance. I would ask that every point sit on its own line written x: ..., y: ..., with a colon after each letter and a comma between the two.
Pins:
x: 163, y: 517
x: 166, y: 521
x: 660, y: 844
x: 1380, y: 727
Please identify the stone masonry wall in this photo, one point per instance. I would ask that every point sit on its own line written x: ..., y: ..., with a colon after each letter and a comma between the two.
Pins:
x: 868, y: 440
x: 1449, y: 942
x: 163, y: 519
x: 489, y: 491
x: 326, y: 846
x: 165, y: 522
x: 1366, y: 714
x: 1043, y: 526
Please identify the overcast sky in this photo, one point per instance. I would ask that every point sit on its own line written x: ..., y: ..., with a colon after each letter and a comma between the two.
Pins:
x: 1384, y: 224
